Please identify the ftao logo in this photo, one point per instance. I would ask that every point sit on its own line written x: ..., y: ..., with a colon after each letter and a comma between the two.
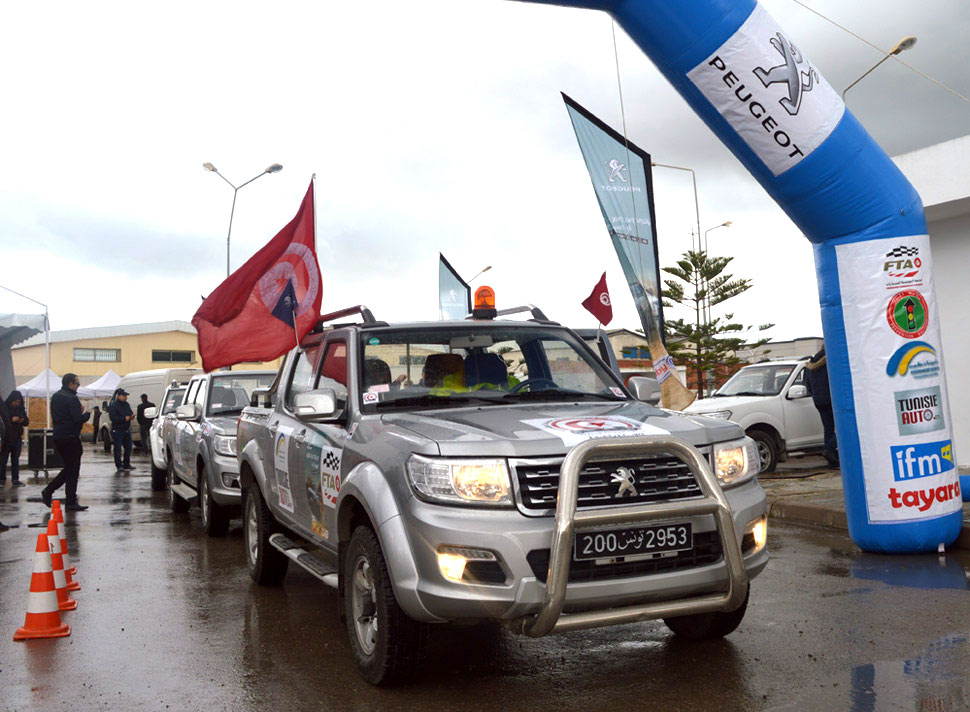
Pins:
x: 919, y: 411
x: 902, y: 261
x: 911, y: 462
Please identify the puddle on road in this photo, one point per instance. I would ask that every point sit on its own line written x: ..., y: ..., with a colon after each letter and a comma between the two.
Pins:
x: 918, y: 571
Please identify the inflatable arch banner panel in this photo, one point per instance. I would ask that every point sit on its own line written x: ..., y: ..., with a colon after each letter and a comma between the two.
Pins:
x: 752, y: 85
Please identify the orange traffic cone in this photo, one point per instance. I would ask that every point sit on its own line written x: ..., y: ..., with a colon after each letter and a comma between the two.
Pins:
x: 43, y: 620
x: 64, y: 600
x: 69, y: 571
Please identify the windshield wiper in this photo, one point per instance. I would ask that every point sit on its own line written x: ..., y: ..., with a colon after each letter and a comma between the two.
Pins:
x: 741, y: 393
x: 434, y: 401
x: 560, y: 394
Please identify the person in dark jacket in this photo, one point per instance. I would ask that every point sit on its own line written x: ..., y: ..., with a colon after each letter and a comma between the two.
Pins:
x: 121, y: 416
x: 15, y: 439
x: 67, y: 417
x: 144, y: 424
x: 817, y: 380
x: 3, y: 436
x: 96, y: 422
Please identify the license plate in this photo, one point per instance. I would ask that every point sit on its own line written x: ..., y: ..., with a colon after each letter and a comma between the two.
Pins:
x: 615, y: 543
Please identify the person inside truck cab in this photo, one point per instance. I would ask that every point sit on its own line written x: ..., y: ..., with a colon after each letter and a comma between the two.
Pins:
x: 444, y: 374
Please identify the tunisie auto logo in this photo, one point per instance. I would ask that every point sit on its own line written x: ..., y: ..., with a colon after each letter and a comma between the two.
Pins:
x: 795, y: 72
x: 919, y: 411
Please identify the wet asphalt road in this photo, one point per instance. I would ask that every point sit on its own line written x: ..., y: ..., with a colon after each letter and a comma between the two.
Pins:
x: 169, y: 619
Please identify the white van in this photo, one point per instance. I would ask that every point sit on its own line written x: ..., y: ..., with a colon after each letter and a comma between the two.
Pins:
x: 153, y: 383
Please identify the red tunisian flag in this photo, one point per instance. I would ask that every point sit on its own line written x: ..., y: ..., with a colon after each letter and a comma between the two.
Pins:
x: 256, y: 313
x: 598, y: 303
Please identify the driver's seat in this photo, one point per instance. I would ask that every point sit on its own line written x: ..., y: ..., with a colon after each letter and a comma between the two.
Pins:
x: 486, y: 368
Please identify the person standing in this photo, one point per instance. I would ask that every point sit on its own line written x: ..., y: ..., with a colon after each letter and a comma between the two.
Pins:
x: 68, y: 417
x: 121, y: 416
x: 96, y: 422
x: 3, y: 437
x: 817, y: 380
x: 144, y: 424
x: 15, y: 439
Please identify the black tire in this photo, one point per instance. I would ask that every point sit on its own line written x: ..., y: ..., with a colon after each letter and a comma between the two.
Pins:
x: 159, y: 478
x: 708, y: 626
x: 106, y: 440
x: 267, y: 566
x: 767, y: 449
x: 393, y: 641
x: 175, y: 501
x: 215, y: 519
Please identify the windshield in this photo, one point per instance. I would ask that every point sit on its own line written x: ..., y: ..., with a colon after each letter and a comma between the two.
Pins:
x: 231, y: 393
x: 761, y: 380
x: 445, y: 367
x: 173, y: 400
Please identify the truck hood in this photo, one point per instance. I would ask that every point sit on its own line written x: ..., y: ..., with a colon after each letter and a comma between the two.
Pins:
x: 710, y: 405
x: 543, y: 430
x: 224, y: 425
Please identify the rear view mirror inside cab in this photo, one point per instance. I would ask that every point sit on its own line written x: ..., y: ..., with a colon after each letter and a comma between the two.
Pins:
x: 482, y: 341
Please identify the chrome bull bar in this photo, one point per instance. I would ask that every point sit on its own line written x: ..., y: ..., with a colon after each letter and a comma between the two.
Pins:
x: 551, y: 619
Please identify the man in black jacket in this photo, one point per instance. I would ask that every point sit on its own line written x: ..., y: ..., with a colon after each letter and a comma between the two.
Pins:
x: 121, y: 416
x: 68, y: 417
x: 15, y: 439
x: 817, y: 380
x: 144, y: 424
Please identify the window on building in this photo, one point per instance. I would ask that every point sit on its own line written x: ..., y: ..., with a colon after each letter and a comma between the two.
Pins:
x: 160, y: 356
x: 97, y: 354
x: 635, y: 352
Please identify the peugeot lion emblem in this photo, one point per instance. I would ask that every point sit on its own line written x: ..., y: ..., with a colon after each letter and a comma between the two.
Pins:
x: 625, y: 478
x: 796, y: 73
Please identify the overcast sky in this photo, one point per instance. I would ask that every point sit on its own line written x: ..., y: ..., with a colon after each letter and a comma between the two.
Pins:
x: 432, y: 125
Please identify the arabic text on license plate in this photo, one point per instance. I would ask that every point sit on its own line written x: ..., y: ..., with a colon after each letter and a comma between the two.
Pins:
x: 631, y: 542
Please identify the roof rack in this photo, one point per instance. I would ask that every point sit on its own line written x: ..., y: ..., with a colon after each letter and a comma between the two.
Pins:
x: 536, y: 312
x: 364, y: 312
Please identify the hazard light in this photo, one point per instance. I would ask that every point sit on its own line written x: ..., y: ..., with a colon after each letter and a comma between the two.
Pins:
x: 484, y: 303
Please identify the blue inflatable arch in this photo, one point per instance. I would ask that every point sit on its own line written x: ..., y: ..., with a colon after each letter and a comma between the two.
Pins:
x: 755, y: 89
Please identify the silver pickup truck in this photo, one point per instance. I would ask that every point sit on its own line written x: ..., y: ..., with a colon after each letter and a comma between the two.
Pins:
x: 492, y: 470
x: 200, y: 445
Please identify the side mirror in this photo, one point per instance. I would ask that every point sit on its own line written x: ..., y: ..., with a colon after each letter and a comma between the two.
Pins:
x: 314, y: 405
x: 189, y: 411
x: 796, y: 392
x: 260, y: 398
x: 151, y: 413
x: 645, y: 389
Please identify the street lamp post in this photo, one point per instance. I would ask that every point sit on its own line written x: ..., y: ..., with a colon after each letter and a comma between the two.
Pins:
x: 697, y: 210
x: 901, y: 46
x: 707, y: 300
x: 275, y: 168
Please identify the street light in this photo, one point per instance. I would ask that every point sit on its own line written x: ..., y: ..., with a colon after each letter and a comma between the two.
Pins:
x: 726, y: 223
x: 707, y: 300
x: 480, y: 274
x: 697, y: 210
x: 275, y: 168
x: 901, y: 46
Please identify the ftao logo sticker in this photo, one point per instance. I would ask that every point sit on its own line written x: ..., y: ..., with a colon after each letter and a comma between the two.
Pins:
x: 908, y: 314
x: 919, y: 411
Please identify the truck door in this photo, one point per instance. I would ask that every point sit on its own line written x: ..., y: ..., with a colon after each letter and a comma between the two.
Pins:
x: 180, y: 434
x: 322, y: 460
x: 191, y: 434
x: 803, y: 426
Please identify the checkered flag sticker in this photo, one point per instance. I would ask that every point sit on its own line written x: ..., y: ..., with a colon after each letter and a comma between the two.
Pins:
x: 903, y: 251
x: 331, y: 461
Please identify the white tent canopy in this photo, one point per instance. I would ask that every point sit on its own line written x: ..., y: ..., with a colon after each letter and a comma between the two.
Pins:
x: 39, y: 387
x: 103, y: 387
x: 15, y: 328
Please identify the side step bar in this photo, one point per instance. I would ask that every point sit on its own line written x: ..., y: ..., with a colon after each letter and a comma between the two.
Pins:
x: 185, y: 492
x: 305, y: 559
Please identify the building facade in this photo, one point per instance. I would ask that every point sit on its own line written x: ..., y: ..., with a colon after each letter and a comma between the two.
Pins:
x: 125, y: 349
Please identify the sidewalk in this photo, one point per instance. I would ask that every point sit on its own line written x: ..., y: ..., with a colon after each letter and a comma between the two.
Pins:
x: 804, y: 491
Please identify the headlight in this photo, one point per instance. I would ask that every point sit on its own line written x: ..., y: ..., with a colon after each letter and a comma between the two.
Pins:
x: 719, y: 414
x: 736, y: 461
x: 460, y: 481
x: 225, y: 445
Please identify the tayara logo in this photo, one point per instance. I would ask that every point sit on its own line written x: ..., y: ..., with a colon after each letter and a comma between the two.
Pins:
x: 795, y: 72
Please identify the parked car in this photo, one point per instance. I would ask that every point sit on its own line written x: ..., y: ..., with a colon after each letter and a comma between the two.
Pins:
x: 429, y: 480
x: 201, y: 445
x: 153, y: 383
x: 771, y: 402
x: 163, y: 417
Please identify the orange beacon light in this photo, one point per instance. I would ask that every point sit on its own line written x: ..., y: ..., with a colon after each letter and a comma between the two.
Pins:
x: 484, y: 303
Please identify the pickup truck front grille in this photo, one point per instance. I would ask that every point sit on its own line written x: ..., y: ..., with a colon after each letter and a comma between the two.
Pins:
x: 650, y: 479
x: 706, y: 551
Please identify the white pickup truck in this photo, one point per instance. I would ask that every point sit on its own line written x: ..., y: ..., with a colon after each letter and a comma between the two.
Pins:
x: 771, y: 402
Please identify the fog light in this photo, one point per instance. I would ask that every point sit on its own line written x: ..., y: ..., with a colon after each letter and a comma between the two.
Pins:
x: 453, y: 559
x: 229, y: 479
x: 759, y: 530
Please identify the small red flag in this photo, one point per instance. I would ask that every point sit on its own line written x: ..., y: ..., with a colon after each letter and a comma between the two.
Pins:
x: 598, y: 303
x: 255, y: 314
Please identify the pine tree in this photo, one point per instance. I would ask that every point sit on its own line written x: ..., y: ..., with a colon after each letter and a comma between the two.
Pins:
x: 701, y: 284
